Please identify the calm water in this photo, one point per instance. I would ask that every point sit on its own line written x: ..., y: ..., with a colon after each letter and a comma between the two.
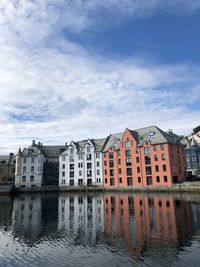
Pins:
x: 100, y: 230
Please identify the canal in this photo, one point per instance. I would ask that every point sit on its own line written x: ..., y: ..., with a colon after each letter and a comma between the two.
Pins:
x: 119, y: 229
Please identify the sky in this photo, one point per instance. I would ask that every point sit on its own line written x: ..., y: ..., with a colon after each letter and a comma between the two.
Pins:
x: 77, y: 69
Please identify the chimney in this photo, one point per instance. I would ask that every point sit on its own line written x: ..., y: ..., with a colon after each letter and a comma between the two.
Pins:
x: 66, y: 144
x: 33, y: 142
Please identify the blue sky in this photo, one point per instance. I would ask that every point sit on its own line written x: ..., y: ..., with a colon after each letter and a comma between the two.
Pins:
x: 85, y: 69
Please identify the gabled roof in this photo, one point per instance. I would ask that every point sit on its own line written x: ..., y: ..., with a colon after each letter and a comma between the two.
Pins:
x: 113, y: 141
x: 158, y: 136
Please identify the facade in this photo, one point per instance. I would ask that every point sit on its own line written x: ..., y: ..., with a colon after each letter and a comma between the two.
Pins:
x: 143, y: 157
x: 81, y: 163
x: 37, y: 165
x: 7, y: 168
x: 192, y: 153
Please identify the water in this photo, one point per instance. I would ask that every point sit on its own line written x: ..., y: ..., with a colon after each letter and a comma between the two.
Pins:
x: 100, y: 230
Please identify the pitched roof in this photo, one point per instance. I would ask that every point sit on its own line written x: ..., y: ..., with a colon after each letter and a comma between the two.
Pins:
x: 113, y: 141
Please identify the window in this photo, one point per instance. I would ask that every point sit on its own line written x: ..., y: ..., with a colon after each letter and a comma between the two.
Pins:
x: 80, y: 173
x: 111, y: 163
x: 128, y: 161
x: 105, y: 162
x: 110, y: 155
x: 137, y: 150
x: 80, y: 181
x: 89, y: 156
x: 163, y: 156
x: 71, y: 182
x: 138, y: 169
x: 97, y: 155
x: 98, y: 172
x: 147, y: 160
x: 24, y: 178
x: 137, y: 159
x: 147, y: 150
x: 88, y: 149
x: 158, y: 179
x: 71, y: 166
x: 80, y: 164
x: 63, y: 181
x: 111, y: 172
x: 156, y: 157
x: 119, y: 161
x: 80, y: 156
x: 129, y: 171
x: 89, y: 173
x: 63, y: 158
x: 165, y: 178
x: 24, y: 160
x: 128, y: 153
x: 150, y: 136
x: 32, y: 178
x: 71, y: 158
x: 157, y: 168
x: 164, y: 168
x: 139, y: 179
x: 98, y: 163
x: 106, y: 181
x: 162, y: 147
x: 154, y: 148
x: 24, y: 169
x: 120, y: 170
x: 129, y: 181
x: 120, y: 180
x: 148, y: 171
x: 63, y: 166
x: 32, y: 160
x: 71, y: 151
x: 89, y: 165
x: 127, y: 144
x: 105, y: 172
x: 63, y: 174
x: 71, y: 174
x: 104, y: 155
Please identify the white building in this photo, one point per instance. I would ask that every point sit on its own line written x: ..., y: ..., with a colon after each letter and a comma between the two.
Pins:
x: 81, y: 163
x: 37, y: 165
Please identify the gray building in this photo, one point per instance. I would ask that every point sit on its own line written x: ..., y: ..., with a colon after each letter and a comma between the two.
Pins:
x: 192, y: 152
x: 7, y: 168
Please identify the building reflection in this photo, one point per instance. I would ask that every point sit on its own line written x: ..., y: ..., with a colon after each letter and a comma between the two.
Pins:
x: 34, y: 216
x: 6, y: 206
x: 81, y: 216
x: 146, y: 221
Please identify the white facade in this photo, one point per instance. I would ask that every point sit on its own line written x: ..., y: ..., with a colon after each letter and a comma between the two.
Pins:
x: 29, y: 169
x: 81, y: 164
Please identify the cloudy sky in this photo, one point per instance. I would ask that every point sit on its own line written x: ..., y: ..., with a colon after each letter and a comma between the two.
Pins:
x: 73, y: 69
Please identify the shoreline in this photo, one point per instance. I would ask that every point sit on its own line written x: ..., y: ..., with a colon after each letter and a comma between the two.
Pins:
x: 192, y: 187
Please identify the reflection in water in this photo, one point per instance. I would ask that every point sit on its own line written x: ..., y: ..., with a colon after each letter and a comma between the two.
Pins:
x: 99, y: 230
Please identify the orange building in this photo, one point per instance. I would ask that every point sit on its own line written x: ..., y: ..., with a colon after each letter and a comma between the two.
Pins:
x: 143, y: 157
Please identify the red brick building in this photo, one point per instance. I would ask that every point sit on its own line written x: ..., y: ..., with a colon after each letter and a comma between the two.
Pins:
x: 143, y: 157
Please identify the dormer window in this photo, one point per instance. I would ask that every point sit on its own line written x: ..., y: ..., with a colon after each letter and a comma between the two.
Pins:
x: 72, y: 150
x: 88, y: 149
x: 127, y: 144
x: 150, y: 136
x: 30, y: 151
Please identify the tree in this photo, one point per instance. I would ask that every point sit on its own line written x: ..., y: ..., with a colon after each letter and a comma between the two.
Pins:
x: 196, y: 129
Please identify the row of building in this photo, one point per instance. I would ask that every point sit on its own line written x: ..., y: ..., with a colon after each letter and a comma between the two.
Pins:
x: 141, y: 157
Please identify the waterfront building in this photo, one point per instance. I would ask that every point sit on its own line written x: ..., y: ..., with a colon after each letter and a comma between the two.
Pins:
x: 7, y: 168
x: 37, y: 165
x: 81, y: 163
x: 192, y: 153
x: 143, y: 157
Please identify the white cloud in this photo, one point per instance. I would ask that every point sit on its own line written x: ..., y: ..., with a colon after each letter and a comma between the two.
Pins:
x: 57, y: 91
